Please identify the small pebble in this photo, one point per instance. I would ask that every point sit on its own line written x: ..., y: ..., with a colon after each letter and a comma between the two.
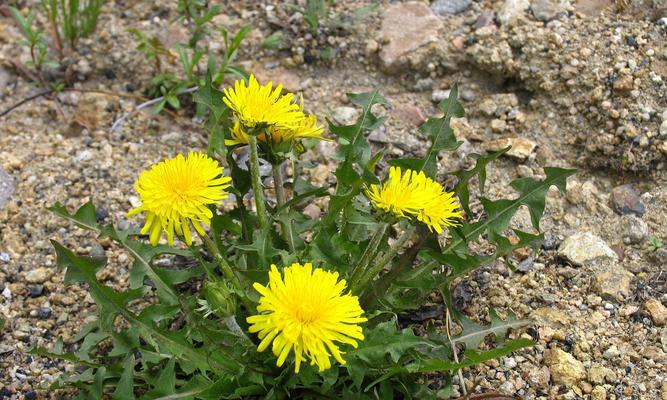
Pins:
x: 101, y: 214
x: 4, y: 257
x: 43, y: 312
x: 36, y: 290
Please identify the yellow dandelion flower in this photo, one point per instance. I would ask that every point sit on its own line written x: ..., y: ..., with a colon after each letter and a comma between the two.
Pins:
x: 306, y: 312
x: 306, y: 128
x: 176, y: 192
x: 256, y: 105
x: 414, y: 195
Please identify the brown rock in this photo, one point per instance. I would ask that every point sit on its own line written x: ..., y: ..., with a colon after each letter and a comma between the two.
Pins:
x: 550, y: 317
x: 624, y: 199
x: 657, y: 311
x: 498, y: 125
x: 613, y: 285
x: 408, y: 113
x: 597, y: 374
x: 623, y: 85
x: 599, y: 393
x: 406, y: 27
x: 521, y: 148
x: 565, y: 369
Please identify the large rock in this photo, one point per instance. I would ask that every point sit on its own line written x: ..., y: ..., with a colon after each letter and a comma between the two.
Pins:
x: 406, y: 27
x: 584, y: 247
x: 6, y: 187
x: 614, y: 285
x: 565, y: 369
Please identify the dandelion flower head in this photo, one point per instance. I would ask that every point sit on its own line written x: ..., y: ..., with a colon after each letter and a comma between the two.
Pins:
x: 306, y: 128
x: 176, y: 192
x: 306, y: 312
x: 414, y: 195
x: 256, y: 106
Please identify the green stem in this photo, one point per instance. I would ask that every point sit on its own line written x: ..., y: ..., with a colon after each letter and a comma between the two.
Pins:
x: 369, y: 253
x: 227, y: 271
x: 386, y: 258
x: 285, y: 227
x: 220, y: 260
x: 405, y: 261
x: 257, y: 182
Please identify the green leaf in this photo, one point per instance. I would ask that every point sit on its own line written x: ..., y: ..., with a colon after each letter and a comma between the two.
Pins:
x: 500, y: 212
x: 125, y: 387
x: 59, y: 354
x: 2, y: 324
x: 383, y: 346
x: 473, y: 333
x: 461, y: 188
x: 165, y: 384
x: 113, y: 303
x: 84, y: 217
x: 441, y: 135
x: 470, y: 358
x: 357, y: 152
x: 262, y: 245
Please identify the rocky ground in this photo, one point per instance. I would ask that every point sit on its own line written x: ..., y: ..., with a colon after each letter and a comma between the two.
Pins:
x: 567, y: 83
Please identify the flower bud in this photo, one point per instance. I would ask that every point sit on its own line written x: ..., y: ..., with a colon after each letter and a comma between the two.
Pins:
x: 220, y: 298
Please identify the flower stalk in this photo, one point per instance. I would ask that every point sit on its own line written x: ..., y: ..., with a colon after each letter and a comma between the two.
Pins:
x: 377, y: 267
x: 285, y: 227
x: 370, y: 252
x: 257, y: 182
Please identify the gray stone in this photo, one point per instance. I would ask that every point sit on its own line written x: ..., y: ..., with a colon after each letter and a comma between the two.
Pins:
x: 449, y: 7
x: 584, y: 247
x: 85, y: 155
x: 7, y: 187
x: 468, y: 95
x: 423, y: 85
x: 379, y: 135
x: 546, y: 10
x: 4, y: 257
x: 624, y: 199
x: 635, y: 230
x: 5, y: 78
x: 406, y: 27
